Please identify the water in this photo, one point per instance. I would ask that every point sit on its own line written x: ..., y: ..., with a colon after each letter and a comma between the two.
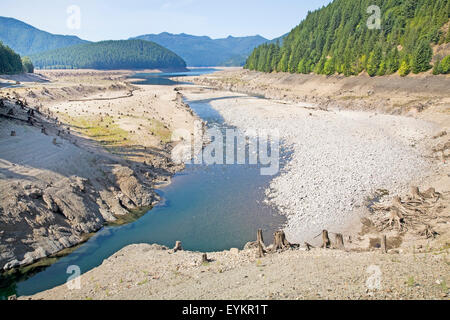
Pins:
x: 169, y: 78
x: 9, y: 85
x: 208, y: 208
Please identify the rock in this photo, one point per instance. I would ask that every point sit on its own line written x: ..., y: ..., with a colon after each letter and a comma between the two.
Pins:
x: 51, y: 204
x: 234, y: 250
x: 35, y: 193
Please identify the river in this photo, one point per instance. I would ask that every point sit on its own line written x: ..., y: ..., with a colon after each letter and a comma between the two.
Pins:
x: 208, y: 207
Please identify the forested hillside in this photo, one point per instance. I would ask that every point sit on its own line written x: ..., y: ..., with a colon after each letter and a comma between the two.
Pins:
x: 27, y: 40
x: 206, y: 52
x: 12, y: 63
x: 337, y: 39
x: 109, y: 55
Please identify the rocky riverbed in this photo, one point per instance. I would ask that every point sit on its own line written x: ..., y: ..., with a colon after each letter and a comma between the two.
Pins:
x: 339, y: 159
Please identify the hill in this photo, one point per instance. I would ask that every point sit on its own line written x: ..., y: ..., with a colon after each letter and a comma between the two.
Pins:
x: 337, y: 39
x: 110, y: 55
x: 207, y: 52
x: 27, y: 40
x: 12, y: 63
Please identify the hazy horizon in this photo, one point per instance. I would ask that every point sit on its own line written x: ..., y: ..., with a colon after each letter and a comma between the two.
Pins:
x: 114, y: 20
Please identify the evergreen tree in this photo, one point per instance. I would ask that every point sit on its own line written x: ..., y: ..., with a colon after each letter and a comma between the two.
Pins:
x: 373, y: 64
x: 10, y: 62
x: 329, y: 67
x: 421, y: 58
x: 445, y: 65
x: 405, y: 69
x: 27, y: 65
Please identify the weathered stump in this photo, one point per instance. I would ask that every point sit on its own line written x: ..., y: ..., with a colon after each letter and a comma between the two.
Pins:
x: 383, y: 244
x: 43, y: 131
x: 13, y: 133
x: 339, y: 241
x: 178, y: 247
x: 260, y: 243
x: 280, y: 242
x: 205, y: 258
x: 325, y: 239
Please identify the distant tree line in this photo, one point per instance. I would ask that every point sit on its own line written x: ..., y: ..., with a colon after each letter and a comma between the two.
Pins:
x: 337, y: 39
x: 108, y: 55
x: 12, y: 63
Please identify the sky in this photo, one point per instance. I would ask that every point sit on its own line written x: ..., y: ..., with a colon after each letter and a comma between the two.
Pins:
x: 97, y: 20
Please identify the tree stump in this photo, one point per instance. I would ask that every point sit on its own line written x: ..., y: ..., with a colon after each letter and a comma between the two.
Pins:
x: 205, y: 258
x: 325, y: 239
x: 13, y: 133
x: 280, y: 242
x: 260, y: 242
x: 383, y: 244
x: 339, y: 241
x: 178, y: 247
x: 43, y: 131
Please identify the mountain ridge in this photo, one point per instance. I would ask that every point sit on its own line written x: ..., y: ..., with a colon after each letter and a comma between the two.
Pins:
x: 34, y: 40
x: 204, y: 51
x: 109, y: 55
